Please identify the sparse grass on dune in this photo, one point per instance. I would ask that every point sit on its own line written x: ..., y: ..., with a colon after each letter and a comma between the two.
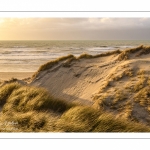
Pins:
x: 132, y: 94
x: 125, y: 54
x: 141, y: 50
x: 145, y: 50
x: 67, y: 63
x: 71, y: 58
x: 140, y: 84
x: 88, y: 56
x: 119, y: 96
x: 143, y: 96
x: 108, y: 53
x: 50, y: 64
x: 142, y: 80
x: 134, y: 50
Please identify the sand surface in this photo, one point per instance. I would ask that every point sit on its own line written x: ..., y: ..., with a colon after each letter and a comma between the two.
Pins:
x: 80, y: 81
x: 107, y: 81
x: 18, y: 75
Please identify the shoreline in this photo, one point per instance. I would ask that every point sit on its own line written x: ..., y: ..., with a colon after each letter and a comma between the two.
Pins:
x: 18, y: 75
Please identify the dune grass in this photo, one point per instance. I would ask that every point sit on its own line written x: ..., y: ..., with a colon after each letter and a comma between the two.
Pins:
x: 71, y: 58
x: 6, y: 91
x: 143, y: 96
x: 108, y: 123
x: 142, y: 50
x: 145, y: 50
x: 30, y: 109
x: 119, y: 96
x: 31, y: 121
x: 25, y: 98
x: 88, y: 56
x: 125, y: 54
x: 86, y: 119
x: 50, y: 64
x: 67, y: 63
x: 78, y: 119
x: 141, y: 83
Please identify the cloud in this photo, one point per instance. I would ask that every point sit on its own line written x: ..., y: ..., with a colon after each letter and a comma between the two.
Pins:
x: 74, y: 28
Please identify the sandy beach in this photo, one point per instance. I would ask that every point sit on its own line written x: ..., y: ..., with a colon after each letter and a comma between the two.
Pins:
x: 18, y: 75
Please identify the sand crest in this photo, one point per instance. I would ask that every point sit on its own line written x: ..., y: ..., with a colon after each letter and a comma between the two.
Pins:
x: 110, y: 82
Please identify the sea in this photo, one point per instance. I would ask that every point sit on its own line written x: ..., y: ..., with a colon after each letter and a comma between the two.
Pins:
x: 28, y: 56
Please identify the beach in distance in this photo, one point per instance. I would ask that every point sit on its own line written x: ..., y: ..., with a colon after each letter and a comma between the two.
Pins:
x: 75, y: 86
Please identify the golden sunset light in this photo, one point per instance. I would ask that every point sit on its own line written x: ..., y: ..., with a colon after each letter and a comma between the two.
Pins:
x: 74, y: 28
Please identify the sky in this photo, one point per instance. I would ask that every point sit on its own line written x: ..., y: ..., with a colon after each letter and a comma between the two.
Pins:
x: 74, y: 28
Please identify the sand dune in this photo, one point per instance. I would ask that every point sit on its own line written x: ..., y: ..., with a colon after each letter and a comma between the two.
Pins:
x: 82, y: 94
x: 79, y: 82
x: 111, y: 82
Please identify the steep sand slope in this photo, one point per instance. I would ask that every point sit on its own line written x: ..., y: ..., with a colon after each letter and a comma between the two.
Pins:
x: 79, y: 81
x: 113, y: 83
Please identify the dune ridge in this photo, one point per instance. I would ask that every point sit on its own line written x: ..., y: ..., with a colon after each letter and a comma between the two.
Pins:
x: 111, y: 81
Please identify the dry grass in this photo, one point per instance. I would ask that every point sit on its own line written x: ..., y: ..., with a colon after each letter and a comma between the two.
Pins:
x: 26, y: 99
x: 31, y: 121
x: 67, y: 63
x: 140, y: 84
x: 119, y: 96
x: 148, y: 81
x: 125, y: 54
x: 80, y: 119
x: 145, y: 50
x: 6, y: 91
x: 33, y: 109
x: 86, y: 119
x: 50, y: 64
x: 108, y: 123
x: 129, y: 72
x: 140, y: 72
x: 87, y: 56
x: 106, y: 84
x: 30, y: 109
x: 143, y: 97
x: 125, y: 73
x: 102, y: 100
